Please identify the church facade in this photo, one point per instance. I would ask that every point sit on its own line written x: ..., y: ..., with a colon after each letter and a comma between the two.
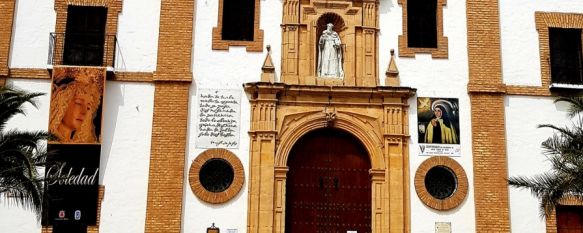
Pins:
x: 293, y: 115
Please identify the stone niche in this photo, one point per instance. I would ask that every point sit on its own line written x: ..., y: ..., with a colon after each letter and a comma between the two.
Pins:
x: 356, y: 22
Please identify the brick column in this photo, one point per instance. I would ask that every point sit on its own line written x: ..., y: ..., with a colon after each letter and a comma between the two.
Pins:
x: 6, y: 20
x: 487, y: 93
x: 172, y: 82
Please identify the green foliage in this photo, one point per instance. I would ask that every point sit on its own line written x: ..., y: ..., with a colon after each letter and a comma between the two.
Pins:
x: 21, y: 154
x: 565, y: 152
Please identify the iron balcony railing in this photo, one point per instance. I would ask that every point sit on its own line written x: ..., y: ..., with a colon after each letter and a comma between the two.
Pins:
x: 82, y: 49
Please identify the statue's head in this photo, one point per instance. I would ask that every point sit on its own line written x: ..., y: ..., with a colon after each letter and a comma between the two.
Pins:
x: 329, y: 26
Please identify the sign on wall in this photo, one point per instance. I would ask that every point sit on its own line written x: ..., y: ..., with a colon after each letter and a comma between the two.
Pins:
x: 219, y: 118
x: 72, y: 183
x: 438, y: 126
x: 76, y: 103
x: 72, y: 171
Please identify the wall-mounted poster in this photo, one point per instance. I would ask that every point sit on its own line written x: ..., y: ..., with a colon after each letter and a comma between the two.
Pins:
x: 219, y: 118
x: 438, y: 126
x: 72, y: 187
x: 76, y: 103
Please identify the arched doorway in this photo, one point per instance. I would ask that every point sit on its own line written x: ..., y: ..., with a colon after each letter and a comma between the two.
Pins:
x: 328, y: 184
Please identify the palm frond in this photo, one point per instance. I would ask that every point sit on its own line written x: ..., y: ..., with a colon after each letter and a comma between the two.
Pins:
x: 576, y: 104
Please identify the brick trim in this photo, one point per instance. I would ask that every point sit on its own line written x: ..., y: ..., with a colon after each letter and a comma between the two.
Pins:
x: 39, y: 73
x: 252, y: 46
x: 218, y: 197
x: 551, y: 221
x: 442, y: 45
x: 459, y: 194
x: 6, y: 21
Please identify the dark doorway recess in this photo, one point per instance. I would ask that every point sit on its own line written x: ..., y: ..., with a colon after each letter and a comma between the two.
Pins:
x: 328, y: 184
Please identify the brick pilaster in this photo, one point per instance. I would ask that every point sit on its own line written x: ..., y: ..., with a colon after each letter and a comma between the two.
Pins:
x: 6, y: 20
x: 168, y: 150
x: 487, y: 93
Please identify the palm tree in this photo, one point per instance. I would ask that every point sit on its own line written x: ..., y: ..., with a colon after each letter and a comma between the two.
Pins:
x: 565, y: 152
x: 21, y: 154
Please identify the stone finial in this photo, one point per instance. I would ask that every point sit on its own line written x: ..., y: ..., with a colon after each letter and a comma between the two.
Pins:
x: 268, y: 70
x: 392, y: 73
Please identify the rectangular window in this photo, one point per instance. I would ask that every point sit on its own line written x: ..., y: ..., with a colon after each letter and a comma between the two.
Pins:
x: 566, y: 56
x: 238, y: 20
x: 85, y: 36
x: 422, y: 23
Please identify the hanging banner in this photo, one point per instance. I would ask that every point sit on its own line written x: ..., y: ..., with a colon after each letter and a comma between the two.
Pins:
x: 72, y: 170
x: 438, y: 126
x: 76, y: 103
x: 72, y: 185
x: 219, y: 118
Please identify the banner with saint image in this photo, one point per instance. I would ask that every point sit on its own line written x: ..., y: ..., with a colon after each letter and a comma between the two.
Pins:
x: 76, y: 103
x: 438, y: 126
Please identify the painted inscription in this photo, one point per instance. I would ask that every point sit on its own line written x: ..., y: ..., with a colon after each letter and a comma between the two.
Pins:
x: 219, y: 118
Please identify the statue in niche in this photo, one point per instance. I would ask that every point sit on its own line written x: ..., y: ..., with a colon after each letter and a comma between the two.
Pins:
x: 330, y: 54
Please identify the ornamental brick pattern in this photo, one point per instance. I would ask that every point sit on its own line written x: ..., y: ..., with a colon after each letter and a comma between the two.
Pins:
x: 172, y: 82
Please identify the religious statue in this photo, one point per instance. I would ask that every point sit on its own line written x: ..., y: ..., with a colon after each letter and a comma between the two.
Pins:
x: 330, y: 56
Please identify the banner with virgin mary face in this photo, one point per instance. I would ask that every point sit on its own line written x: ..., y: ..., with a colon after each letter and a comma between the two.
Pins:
x: 72, y: 171
x: 438, y: 126
x: 76, y: 100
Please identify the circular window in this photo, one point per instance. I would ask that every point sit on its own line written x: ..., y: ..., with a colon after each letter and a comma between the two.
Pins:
x: 216, y: 176
x: 441, y: 183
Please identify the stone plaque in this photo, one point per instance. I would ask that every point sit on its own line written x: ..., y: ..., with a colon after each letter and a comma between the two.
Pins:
x: 442, y: 227
x: 219, y: 118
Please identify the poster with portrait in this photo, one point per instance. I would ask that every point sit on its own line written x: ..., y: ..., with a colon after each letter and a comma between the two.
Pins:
x: 219, y: 118
x: 76, y: 104
x: 438, y: 126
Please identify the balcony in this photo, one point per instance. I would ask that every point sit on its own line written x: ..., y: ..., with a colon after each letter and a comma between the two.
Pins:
x: 85, y: 49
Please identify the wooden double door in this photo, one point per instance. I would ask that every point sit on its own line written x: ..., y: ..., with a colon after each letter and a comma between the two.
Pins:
x: 328, y: 184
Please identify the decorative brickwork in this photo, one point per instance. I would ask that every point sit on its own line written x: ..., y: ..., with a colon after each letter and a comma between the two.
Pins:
x: 460, y: 192
x: 168, y: 149
x: 6, y: 20
x: 90, y: 229
x: 442, y: 48
x: 256, y: 45
x: 216, y: 197
x: 113, y: 9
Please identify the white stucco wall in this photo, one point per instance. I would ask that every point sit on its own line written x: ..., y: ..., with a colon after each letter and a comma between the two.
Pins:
x: 221, y: 69
x: 125, y: 155
x: 525, y: 157
x: 446, y: 78
x: 33, y: 21
x: 519, y: 38
x: 137, y: 35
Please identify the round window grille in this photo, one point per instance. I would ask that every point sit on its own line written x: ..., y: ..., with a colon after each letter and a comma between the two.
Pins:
x: 441, y: 183
x: 216, y: 176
